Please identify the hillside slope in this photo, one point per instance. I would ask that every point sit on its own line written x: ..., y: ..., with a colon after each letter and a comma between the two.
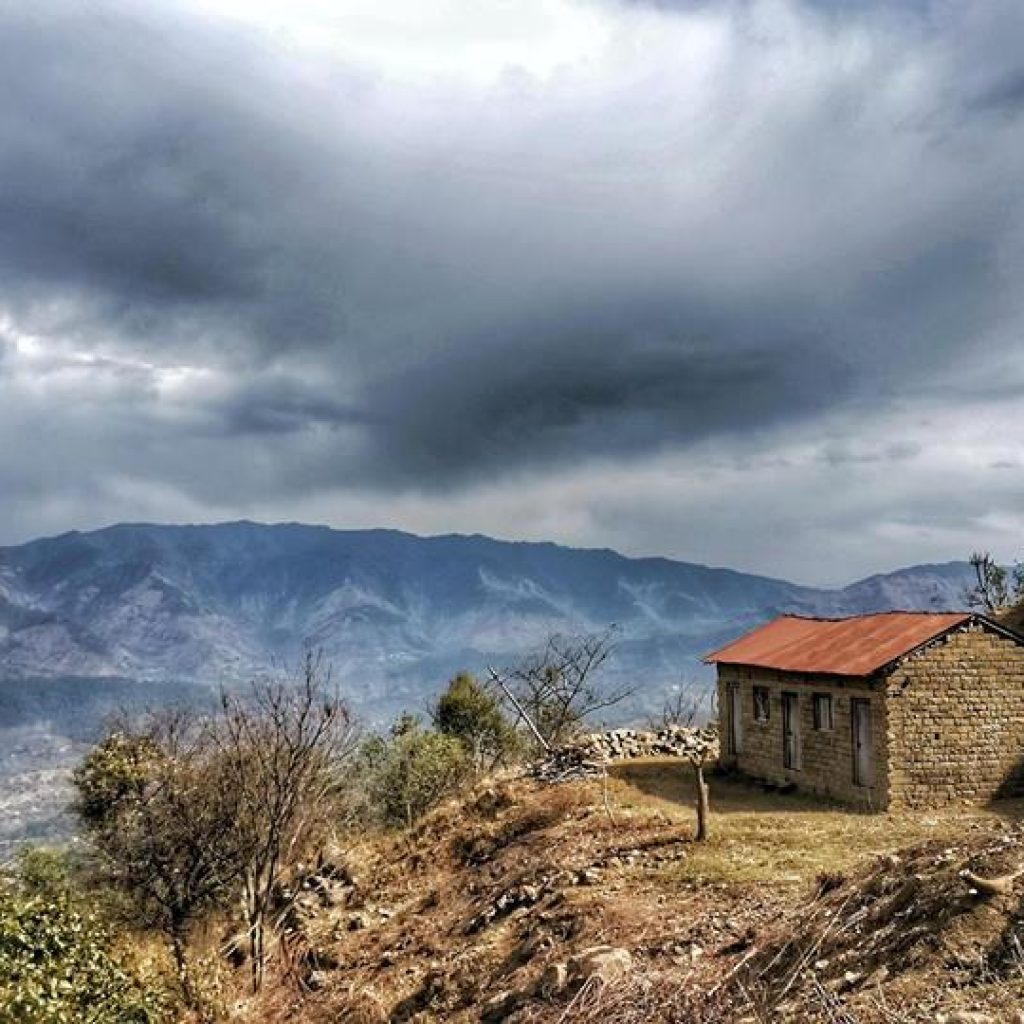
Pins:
x: 525, y: 903
x: 534, y: 904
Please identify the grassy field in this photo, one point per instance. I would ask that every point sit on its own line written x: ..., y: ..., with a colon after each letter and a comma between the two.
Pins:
x: 791, y: 839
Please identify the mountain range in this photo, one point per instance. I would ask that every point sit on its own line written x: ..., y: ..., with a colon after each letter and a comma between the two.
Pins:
x: 395, y: 614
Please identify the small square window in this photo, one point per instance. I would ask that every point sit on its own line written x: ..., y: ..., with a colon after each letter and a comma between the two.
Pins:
x: 762, y: 704
x: 823, y: 712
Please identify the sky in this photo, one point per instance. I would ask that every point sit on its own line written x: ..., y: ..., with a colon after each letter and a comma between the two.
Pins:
x: 734, y: 281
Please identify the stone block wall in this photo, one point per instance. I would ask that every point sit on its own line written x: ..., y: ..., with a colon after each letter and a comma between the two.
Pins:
x: 956, y: 720
x: 826, y: 763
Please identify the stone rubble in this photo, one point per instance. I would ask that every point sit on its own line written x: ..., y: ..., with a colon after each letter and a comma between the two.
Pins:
x: 670, y: 741
x: 588, y: 757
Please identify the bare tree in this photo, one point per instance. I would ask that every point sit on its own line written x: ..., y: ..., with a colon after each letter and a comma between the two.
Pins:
x: 556, y: 688
x: 994, y: 589
x: 683, y: 707
x: 160, y: 808
x: 284, y: 744
x: 699, y: 757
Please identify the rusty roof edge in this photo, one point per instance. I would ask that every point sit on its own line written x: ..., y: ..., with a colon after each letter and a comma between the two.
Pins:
x: 871, y: 615
x: 709, y: 658
x: 712, y: 658
x: 885, y: 667
x: 969, y: 617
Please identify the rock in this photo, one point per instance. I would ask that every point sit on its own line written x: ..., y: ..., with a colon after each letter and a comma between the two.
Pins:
x: 498, y: 1007
x: 850, y: 979
x: 554, y: 979
x: 316, y: 980
x: 605, y: 963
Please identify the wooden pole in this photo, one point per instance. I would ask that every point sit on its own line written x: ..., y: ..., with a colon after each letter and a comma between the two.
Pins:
x: 526, y: 718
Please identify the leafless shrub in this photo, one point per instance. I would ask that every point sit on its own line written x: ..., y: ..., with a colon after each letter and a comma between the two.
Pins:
x: 684, y: 707
x: 557, y: 686
x: 160, y: 805
x: 283, y: 745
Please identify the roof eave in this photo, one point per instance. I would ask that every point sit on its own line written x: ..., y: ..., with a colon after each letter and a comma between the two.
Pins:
x: 886, y: 666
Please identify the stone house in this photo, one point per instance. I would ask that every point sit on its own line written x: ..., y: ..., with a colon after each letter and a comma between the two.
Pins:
x: 898, y: 709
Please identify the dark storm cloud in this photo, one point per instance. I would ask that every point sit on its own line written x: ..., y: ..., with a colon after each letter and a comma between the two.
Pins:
x: 127, y: 177
x: 593, y: 382
x: 1005, y: 94
x: 281, y: 405
x: 358, y: 282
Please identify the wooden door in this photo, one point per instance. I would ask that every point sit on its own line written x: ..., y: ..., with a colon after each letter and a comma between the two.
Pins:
x: 735, y: 721
x: 863, y: 754
x: 791, y: 730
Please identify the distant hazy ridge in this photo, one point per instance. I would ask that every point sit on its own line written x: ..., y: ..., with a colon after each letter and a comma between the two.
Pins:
x: 395, y: 613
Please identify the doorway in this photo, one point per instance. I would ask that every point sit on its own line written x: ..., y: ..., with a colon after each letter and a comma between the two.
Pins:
x: 863, y: 760
x: 735, y: 726
x: 791, y: 731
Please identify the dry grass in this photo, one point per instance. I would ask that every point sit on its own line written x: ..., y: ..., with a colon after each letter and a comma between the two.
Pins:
x: 639, y: 882
x: 784, y: 839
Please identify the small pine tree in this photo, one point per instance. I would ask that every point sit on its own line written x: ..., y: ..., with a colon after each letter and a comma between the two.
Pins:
x: 471, y: 714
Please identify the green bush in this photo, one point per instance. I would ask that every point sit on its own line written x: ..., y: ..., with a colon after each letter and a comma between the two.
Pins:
x: 59, y: 963
x: 411, y: 770
x: 114, y: 772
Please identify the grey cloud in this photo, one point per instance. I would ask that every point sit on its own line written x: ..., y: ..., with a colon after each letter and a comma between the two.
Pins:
x: 1006, y: 94
x: 593, y: 383
x: 398, y: 288
x: 281, y: 405
x: 839, y: 453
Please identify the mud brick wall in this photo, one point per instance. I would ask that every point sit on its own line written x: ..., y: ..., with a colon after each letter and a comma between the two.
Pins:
x: 826, y: 762
x: 956, y: 721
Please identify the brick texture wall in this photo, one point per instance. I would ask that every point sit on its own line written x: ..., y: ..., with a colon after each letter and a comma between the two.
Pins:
x: 956, y: 721
x: 827, y: 756
x: 947, y: 726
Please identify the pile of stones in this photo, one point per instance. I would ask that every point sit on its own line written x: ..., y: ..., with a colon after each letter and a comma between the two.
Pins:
x: 670, y: 741
x: 567, y: 764
x: 588, y: 758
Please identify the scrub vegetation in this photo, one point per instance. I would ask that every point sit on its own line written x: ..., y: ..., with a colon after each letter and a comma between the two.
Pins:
x: 270, y: 860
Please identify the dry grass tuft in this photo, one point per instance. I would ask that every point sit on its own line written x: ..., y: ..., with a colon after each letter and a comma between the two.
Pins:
x: 759, y: 837
x: 648, y: 997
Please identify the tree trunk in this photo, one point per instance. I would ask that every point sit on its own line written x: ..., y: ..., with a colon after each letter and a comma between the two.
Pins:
x: 177, y: 937
x: 254, y: 919
x: 702, y: 803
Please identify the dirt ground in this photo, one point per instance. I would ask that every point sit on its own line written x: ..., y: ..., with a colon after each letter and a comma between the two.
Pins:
x: 788, y: 912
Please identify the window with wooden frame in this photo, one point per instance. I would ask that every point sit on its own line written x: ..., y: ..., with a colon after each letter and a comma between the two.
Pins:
x: 762, y: 704
x: 823, y: 719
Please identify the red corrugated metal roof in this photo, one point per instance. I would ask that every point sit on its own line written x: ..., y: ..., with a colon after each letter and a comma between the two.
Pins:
x: 856, y: 646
